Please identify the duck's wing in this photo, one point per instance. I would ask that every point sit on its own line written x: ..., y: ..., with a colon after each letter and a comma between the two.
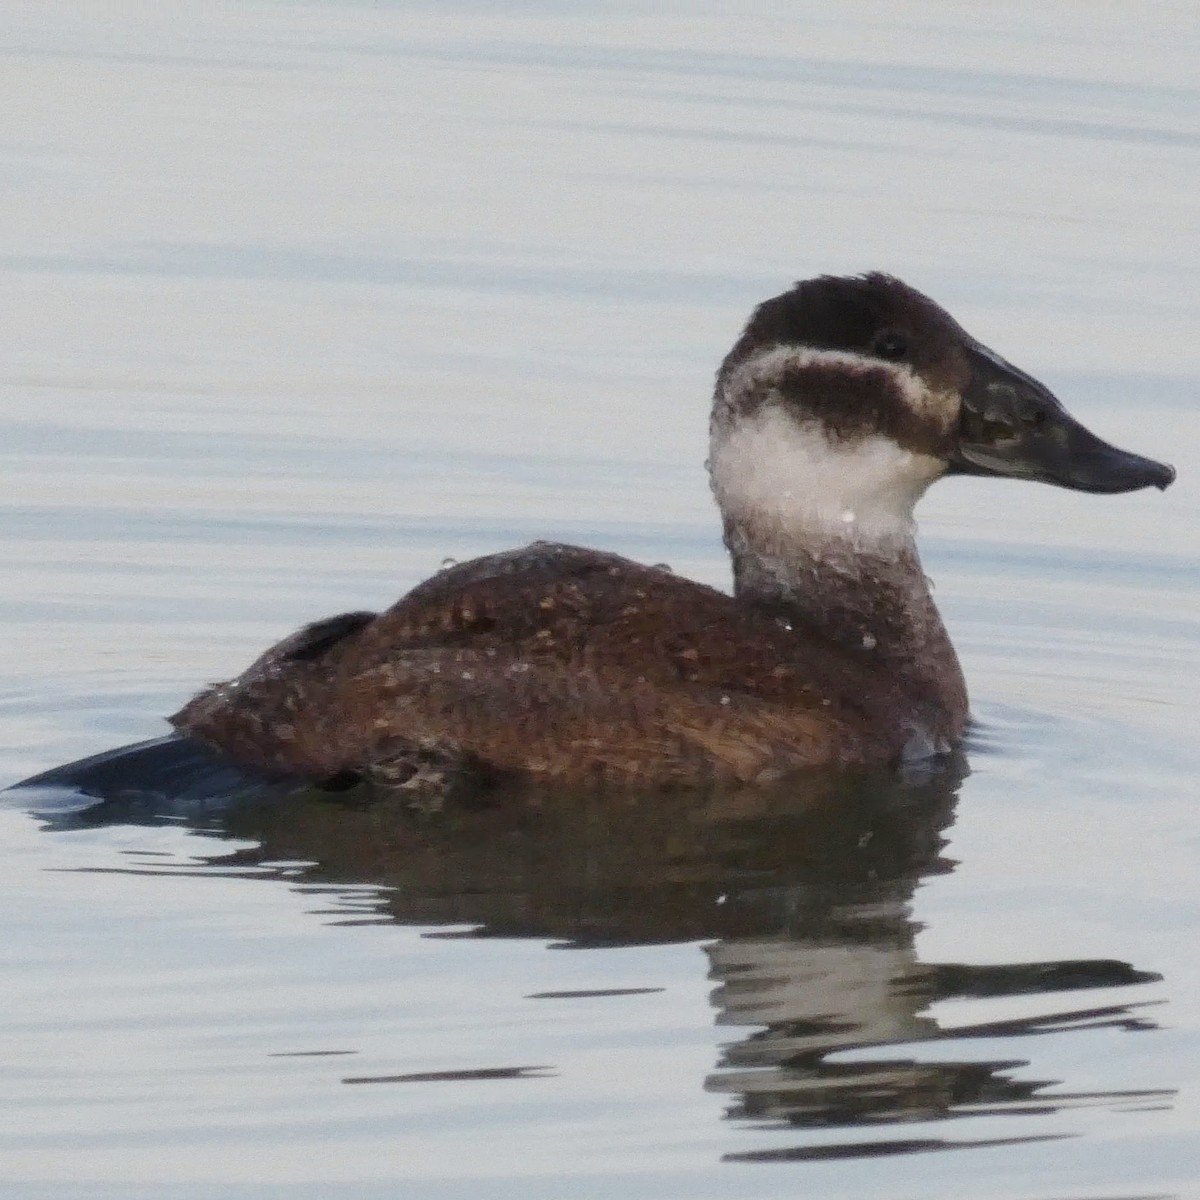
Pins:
x: 551, y: 660
x: 556, y: 600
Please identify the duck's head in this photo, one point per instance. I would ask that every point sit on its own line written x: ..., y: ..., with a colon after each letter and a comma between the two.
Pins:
x: 844, y: 398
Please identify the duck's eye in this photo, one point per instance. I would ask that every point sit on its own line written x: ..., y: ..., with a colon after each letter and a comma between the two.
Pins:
x: 891, y: 345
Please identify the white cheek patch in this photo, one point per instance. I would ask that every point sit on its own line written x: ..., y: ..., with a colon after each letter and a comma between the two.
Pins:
x: 788, y: 479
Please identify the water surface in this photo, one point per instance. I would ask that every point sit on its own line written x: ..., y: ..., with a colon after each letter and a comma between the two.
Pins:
x: 304, y: 298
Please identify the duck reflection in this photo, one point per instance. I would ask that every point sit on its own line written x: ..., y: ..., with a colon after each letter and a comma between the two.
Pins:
x: 802, y: 897
x: 855, y: 984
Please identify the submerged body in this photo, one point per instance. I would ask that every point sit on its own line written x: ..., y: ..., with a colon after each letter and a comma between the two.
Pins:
x: 841, y: 402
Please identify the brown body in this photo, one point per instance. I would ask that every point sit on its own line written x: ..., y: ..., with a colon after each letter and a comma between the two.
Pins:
x: 584, y: 667
x: 841, y: 402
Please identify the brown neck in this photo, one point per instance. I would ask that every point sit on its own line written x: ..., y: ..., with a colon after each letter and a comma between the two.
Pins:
x: 869, y: 601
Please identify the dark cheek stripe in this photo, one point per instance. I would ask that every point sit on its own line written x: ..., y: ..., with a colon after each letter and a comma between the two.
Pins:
x: 851, y: 402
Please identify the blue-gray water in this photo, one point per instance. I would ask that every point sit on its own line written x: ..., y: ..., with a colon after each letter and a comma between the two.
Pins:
x: 301, y: 299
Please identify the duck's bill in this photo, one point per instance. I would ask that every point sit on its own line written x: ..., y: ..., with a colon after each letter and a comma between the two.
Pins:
x: 1011, y: 425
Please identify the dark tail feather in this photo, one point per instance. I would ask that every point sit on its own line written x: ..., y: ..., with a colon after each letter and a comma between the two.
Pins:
x: 175, y: 768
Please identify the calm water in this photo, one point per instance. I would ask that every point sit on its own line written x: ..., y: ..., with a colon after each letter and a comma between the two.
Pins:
x: 303, y: 298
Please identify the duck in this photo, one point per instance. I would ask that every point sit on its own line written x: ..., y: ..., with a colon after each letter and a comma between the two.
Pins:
x: 841, y: 402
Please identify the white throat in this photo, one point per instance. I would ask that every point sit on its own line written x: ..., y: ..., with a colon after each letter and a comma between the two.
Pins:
x: 784, y: 481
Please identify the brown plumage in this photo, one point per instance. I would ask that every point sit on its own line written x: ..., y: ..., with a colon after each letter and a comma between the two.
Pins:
x: 841, y: 401
x: 565, y: 663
